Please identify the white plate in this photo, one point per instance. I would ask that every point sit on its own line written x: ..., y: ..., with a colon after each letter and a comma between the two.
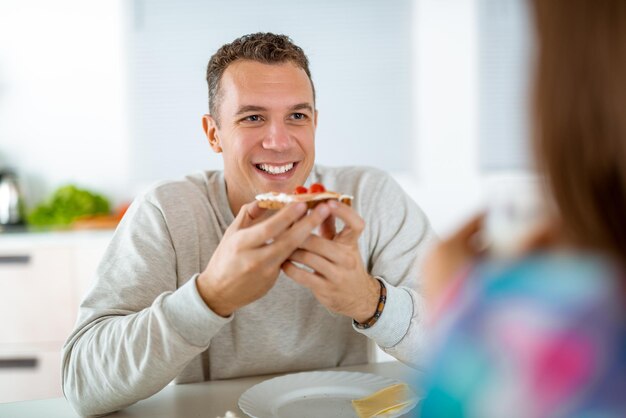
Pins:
x: 313, y: 395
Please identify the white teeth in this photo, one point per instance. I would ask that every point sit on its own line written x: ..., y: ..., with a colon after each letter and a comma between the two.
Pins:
x: 275, y: 169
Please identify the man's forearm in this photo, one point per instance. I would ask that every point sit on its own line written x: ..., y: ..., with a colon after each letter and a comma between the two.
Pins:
x: 103, y: 373
x: 118, y: 359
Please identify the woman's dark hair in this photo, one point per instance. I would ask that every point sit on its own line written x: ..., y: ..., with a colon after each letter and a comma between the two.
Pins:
x: 580, y: 117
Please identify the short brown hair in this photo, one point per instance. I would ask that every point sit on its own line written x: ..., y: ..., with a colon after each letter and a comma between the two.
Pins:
x: 267, y: 48
x: 580, y: 117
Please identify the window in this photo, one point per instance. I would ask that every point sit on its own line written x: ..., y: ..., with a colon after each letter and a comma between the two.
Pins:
x: 360, y: 55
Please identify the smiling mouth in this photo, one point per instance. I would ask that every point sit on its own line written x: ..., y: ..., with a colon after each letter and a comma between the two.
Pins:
x: 276, y: 169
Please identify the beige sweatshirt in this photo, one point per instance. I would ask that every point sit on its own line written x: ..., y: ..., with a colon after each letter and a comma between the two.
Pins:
x: 143, y: 323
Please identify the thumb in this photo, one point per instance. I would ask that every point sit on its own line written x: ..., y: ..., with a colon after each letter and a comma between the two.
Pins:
x: 327, y: 229
x: 248, y: 215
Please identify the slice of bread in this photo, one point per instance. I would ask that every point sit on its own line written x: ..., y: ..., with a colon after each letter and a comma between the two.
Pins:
x: 275, y: 201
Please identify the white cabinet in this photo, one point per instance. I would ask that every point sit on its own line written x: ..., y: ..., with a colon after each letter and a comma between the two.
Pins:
x: 43, y: 277
x: 35, y: 295
x: 32, y: 371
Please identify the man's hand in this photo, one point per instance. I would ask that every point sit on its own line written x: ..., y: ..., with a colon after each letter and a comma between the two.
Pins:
x: 339, y: 281
x: 246, y: 263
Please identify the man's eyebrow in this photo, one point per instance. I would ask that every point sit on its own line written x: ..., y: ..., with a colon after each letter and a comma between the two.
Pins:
x: 249, y: 108
x: 253, y: 108
x: 301, y: 106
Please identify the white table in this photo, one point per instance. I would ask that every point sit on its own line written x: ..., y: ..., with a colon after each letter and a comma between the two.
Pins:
x: 198, y: 400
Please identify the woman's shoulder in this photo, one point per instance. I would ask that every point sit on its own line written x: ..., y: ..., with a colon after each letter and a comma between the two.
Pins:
x: 555, y: 278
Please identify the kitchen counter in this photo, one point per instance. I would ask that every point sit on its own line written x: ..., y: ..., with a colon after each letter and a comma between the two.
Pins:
x: 22, y: 235
x: 206, y: 399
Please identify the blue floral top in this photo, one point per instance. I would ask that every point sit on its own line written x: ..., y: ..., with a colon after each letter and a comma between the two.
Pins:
x: 540, y: 337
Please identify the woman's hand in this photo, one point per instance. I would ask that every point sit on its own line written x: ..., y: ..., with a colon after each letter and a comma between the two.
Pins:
x: 451, y: 255
x: 447, y: 259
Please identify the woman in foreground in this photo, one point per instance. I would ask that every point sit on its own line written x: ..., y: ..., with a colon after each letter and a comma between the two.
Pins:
x: 544, y: 335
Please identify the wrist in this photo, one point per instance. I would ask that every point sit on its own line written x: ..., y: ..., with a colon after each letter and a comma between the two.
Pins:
x: 211, y: 297
x: 372, y: 304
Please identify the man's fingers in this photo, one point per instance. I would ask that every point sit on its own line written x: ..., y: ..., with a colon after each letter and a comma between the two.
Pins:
x: 254, y: 212
x: 354, y: 224
x: 327, y: 229
x: 249, y: 214
x: 301, y: 276
x: 320, y: 264
x: 269, y: 229
x: 287, y: 243
x: 239, y: 221
x: 328, y: 249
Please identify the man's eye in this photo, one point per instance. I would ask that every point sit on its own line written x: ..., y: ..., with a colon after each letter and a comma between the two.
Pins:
x: 252, y: 118
x: 299, y: 116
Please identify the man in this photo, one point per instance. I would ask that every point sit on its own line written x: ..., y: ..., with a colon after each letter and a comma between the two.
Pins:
x: 187, y: 290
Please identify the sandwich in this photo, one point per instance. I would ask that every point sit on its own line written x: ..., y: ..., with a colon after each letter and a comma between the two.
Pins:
x: 312, y: 196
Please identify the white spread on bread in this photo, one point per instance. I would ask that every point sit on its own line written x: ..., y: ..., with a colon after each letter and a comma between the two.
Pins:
x: 304, y: 197
x: 275, y: 197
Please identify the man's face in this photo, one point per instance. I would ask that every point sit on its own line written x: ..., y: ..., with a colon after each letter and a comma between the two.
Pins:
x: 266, y: 130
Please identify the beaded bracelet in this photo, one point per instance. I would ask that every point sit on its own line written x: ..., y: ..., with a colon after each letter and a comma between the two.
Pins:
x: 379, y: 309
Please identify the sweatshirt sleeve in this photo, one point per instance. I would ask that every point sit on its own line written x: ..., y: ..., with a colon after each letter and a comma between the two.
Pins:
x: 136, y: 329
x: 398, y: 235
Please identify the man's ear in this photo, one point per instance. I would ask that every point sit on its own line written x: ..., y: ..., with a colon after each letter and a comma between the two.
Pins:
x: 315, y: 119
x: 209, y: 124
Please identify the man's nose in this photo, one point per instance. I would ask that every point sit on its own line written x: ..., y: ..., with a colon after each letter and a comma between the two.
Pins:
x: 277, y: 137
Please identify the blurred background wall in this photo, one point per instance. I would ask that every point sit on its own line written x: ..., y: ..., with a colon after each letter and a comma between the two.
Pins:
x: 109, y: 94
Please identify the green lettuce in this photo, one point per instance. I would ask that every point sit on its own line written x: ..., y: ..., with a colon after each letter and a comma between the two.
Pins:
x: 66, y: 205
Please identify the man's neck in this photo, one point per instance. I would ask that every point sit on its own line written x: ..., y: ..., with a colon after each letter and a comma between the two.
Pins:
x: 234, y: 203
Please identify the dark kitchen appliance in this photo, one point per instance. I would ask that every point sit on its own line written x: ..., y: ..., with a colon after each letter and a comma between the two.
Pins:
x: 11, y: 200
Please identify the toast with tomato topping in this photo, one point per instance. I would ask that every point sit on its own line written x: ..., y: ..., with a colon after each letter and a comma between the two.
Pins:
x: 312, y: 196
